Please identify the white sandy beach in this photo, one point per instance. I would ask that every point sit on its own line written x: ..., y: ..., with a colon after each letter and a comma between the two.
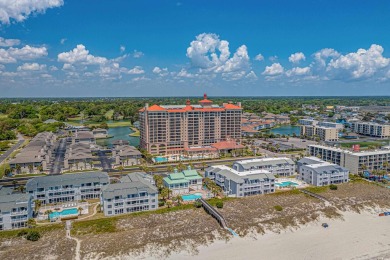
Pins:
x: 358, y: 236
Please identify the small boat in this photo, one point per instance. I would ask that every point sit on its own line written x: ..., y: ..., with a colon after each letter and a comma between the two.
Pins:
x: 325, y: 225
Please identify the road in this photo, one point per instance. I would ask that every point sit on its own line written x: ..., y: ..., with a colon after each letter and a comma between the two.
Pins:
x: 105, y: 161
x: 59, y: 157
x: 12, y: 149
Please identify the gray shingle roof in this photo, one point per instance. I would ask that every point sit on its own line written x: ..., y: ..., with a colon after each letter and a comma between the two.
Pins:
x: 75, y: 179
x: 7, y: 202
x: 132, y: 183
x: 247, y: 164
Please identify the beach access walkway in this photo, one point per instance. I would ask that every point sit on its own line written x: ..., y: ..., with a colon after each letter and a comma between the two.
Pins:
x: 315, y: 195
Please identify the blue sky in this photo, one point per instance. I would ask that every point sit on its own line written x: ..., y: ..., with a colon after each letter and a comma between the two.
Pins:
x: 185, y: 48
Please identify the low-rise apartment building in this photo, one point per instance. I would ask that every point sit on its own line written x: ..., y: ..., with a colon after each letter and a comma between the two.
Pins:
x: 321, y: 173
x: 15, y: 210
x: 83, y: 137
x: 371, y: 129
x: 324, y: 133
x: 355, y: 162
x: 67, y: 187
x: 35, y: 157
x: 126, y: 155
x: 241, y: 184
x: 282, y: 167
x: 135, y: 192
x: 78, y: 156
x: 183, y: 182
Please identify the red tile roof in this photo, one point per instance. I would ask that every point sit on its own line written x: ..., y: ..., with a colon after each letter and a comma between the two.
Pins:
x: 224, y: 145
x: 231, y: 106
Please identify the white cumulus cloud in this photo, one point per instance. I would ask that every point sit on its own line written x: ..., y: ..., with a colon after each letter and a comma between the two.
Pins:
x: 297, y: 71
x: 273, y: 70
x: 259, y: 57
x: 8, y: 42
x: 297, y: 57
x: 136, y: 70
x: 19, y: 10
x: 31, y: 67
x: 80, y: 55
x: 160, y: 71
x: 137, y: 54
x: 360, y: 64
x: 12, y: 55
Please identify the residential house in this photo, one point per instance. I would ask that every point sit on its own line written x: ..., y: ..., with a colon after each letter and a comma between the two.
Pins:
x: 183, y: 182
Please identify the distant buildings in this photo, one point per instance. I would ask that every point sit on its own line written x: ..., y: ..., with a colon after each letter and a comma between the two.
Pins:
x: 134, y: 192
x: 67, y: 187
x: 86, y: 137
x: 355, y: 162
x: 280, y: 166
x: 15, y: 210
x: 325, y: 131
x: 179, y: 129
x: 183, y: 182
x: 35, y: 157
x: 100, y: 133
x: 320, y: 173
x: 241, y: 184
x: 371, y: 129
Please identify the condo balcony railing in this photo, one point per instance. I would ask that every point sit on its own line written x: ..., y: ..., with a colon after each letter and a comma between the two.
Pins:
x: 16, y: 213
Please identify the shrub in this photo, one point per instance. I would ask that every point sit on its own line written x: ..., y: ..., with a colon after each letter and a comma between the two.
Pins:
x: 219, y: 204
x: 22, y: 233
x: 198, y: 204
x: 161, y: 203
x: 278, y: 208
x: 33, y: 236
x: 333, y: 187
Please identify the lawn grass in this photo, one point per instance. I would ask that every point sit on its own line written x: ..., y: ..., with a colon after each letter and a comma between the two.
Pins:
x: 3, y: 166
x: 317, y: 189
x: 96, y: 124
x: 28, y: 175
x: 41, y: 229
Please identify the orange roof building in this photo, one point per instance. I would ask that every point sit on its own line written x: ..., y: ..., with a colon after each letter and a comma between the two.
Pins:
x: 169, y: 129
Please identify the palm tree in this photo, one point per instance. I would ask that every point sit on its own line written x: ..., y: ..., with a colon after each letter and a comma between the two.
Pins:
x: 37, y: 205
x: 170, y: 168
x: 31, y: 223
x: 7, y: 171
x: 30, y: 168
x: 169, y: 203
x: 178, y: 199
x: 386, y: 165
x: 14, y: 182
x: 158, y: 180
x: 91, y: 164
x: 80, y: 210
x: 22, y: 188
x: 121, y: 168
x: 48, y: 212
x: 204, y: 165
x: 18, y: 168
x: 40, y: 168
x: 164, y: 193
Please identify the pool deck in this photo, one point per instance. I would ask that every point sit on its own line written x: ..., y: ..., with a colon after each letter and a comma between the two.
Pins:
x: 300, y: 183
x: 58, y: 208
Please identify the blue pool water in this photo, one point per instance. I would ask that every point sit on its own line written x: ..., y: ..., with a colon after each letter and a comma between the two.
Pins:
x: 286, y: 183
x: 64, y: 213
x: 191, y: 197
x: 160, y: 159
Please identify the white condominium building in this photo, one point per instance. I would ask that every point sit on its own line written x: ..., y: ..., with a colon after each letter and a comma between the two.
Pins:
x: 371, y: 129
x: 320, y: 173
x: 279, y: 166
x: 355, y: 162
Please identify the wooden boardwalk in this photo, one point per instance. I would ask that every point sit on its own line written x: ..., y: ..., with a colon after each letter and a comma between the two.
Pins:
x: 214, y: 213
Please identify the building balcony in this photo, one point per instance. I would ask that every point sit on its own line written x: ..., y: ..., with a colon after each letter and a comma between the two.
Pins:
x: 17, y: 213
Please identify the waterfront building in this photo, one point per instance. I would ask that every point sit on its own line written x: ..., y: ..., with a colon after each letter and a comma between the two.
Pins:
x: 177, y: 129
x: 320, y: 173
x: 67, y: 187
x: 83, y: 137
x: 134, y: 192
x: 355, y: 162
x: 183, y: 182
x: 15, y: 210
x: 371, y: 129
x: 100, y: 133
x: 282, y: 167
x: 241, y: 184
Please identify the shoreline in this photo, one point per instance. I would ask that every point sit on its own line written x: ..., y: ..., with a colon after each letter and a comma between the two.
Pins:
x: 362, y: 235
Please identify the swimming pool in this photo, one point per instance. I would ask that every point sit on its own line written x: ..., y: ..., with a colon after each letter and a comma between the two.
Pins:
x: 64, y: 213
x: 192, y: 197
x: 286, y: 184
x: 160, y: 159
